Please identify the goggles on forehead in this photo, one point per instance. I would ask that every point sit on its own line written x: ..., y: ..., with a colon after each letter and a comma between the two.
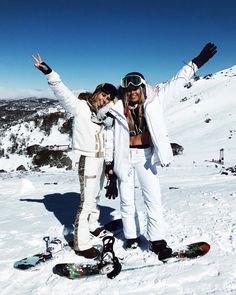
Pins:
x: 134, y: 80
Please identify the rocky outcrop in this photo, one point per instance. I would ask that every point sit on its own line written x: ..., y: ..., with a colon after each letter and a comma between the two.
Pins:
x: 177, y: 149
x: 34, y: 120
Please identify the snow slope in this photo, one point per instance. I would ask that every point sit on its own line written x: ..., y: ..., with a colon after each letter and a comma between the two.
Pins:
x: 199, y: 205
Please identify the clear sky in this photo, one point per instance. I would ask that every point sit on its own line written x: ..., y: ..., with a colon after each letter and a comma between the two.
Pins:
x: 92, y: 41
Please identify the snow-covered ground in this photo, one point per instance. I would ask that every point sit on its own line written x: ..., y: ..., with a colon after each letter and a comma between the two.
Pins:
x: 199, y: 205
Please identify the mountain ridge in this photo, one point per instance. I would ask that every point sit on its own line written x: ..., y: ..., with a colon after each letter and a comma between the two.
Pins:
x: 204, y: 110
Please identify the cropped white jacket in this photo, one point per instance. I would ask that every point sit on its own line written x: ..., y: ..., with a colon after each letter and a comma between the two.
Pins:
x: 158, y: 97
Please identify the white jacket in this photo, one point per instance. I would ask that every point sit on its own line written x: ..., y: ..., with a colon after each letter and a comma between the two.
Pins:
x: 117, y: 141
x: 88, y: 137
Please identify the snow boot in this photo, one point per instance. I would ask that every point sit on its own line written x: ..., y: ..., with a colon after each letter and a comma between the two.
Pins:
x: 160, y: 248
x: 88, y: 253
x: 132, y: 243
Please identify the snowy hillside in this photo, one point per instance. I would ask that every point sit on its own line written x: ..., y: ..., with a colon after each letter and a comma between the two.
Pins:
x: 29, y: 122
x: 199, y: 200
x: 205, y: 119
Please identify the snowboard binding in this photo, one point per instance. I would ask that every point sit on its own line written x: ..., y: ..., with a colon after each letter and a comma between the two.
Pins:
x: 53, y: 246
x: 109, y: 264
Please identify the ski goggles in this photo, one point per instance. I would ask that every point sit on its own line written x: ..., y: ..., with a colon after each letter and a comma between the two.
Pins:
x: 133, y: 80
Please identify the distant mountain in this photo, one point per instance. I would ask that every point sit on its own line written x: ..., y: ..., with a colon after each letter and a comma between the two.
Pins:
x: 33, y: 124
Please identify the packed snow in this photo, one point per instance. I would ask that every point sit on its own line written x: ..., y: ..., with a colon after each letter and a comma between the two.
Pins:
x: 199, y: 205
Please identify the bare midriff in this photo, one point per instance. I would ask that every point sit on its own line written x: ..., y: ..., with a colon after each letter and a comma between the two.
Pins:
x: 140, y: 139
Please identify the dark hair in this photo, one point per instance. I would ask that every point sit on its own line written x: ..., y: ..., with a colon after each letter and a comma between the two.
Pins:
x: 85, y: 95
x: 107, y: 88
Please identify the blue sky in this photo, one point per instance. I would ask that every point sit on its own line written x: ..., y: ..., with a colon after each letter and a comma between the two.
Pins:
x: 92, y: 41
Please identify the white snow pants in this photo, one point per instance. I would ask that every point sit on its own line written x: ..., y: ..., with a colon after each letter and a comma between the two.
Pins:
x: 91, y: 176
x: 146, y: 174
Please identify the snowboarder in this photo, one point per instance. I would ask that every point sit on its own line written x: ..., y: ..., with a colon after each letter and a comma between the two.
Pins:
x: 88, y: 140
x: 138, y: 142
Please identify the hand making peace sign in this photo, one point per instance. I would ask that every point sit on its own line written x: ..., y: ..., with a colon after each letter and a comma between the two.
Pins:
x: 42, y: 66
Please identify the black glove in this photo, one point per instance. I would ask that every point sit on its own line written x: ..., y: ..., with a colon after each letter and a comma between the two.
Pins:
x: 45, y: 71
x: 207, y: 52
x: 109, y: 166
x: 111, y: 187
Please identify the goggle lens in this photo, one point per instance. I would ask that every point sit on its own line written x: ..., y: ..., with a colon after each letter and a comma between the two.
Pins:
x: 135, y: 80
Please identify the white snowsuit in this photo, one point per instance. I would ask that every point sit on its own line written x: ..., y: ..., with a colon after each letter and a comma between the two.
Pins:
x: 141, y: 164
x: 88, y: 140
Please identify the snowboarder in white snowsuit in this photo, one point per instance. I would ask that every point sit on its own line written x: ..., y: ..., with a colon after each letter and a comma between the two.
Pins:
x: 138, y: 142
x: 88, y: 140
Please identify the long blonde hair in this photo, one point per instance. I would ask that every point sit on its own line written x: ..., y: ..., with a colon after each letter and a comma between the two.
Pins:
x: 140, y: 107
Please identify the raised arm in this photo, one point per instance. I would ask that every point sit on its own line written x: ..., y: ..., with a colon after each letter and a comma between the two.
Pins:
x: 66, y: 97
x: 175, y: 86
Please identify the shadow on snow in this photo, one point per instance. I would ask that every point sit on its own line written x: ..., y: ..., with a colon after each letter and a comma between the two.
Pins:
x: 65, y: 206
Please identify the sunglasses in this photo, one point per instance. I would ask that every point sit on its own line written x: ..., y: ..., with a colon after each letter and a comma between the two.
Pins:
x: 133, y: 80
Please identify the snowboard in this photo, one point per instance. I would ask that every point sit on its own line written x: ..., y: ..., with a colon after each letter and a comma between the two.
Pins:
x: 52, y: 247
x: 55, y: 245
x: 76, y: 271
x: 32, y: 261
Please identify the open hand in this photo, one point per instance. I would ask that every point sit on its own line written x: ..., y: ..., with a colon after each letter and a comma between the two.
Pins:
x: 207, y: 52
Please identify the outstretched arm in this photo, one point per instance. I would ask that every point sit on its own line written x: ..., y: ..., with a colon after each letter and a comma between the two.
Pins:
x: 62, y: 93
x: 175, y: 86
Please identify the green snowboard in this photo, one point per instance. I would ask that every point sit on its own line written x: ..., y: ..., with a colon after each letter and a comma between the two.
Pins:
x: 76, y: 271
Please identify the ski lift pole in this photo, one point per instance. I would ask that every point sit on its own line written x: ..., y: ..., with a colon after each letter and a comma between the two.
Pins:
x: 221, y: 160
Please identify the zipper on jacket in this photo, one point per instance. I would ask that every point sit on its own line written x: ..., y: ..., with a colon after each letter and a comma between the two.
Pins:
x: 152, y: 133
x: 99, y: 137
